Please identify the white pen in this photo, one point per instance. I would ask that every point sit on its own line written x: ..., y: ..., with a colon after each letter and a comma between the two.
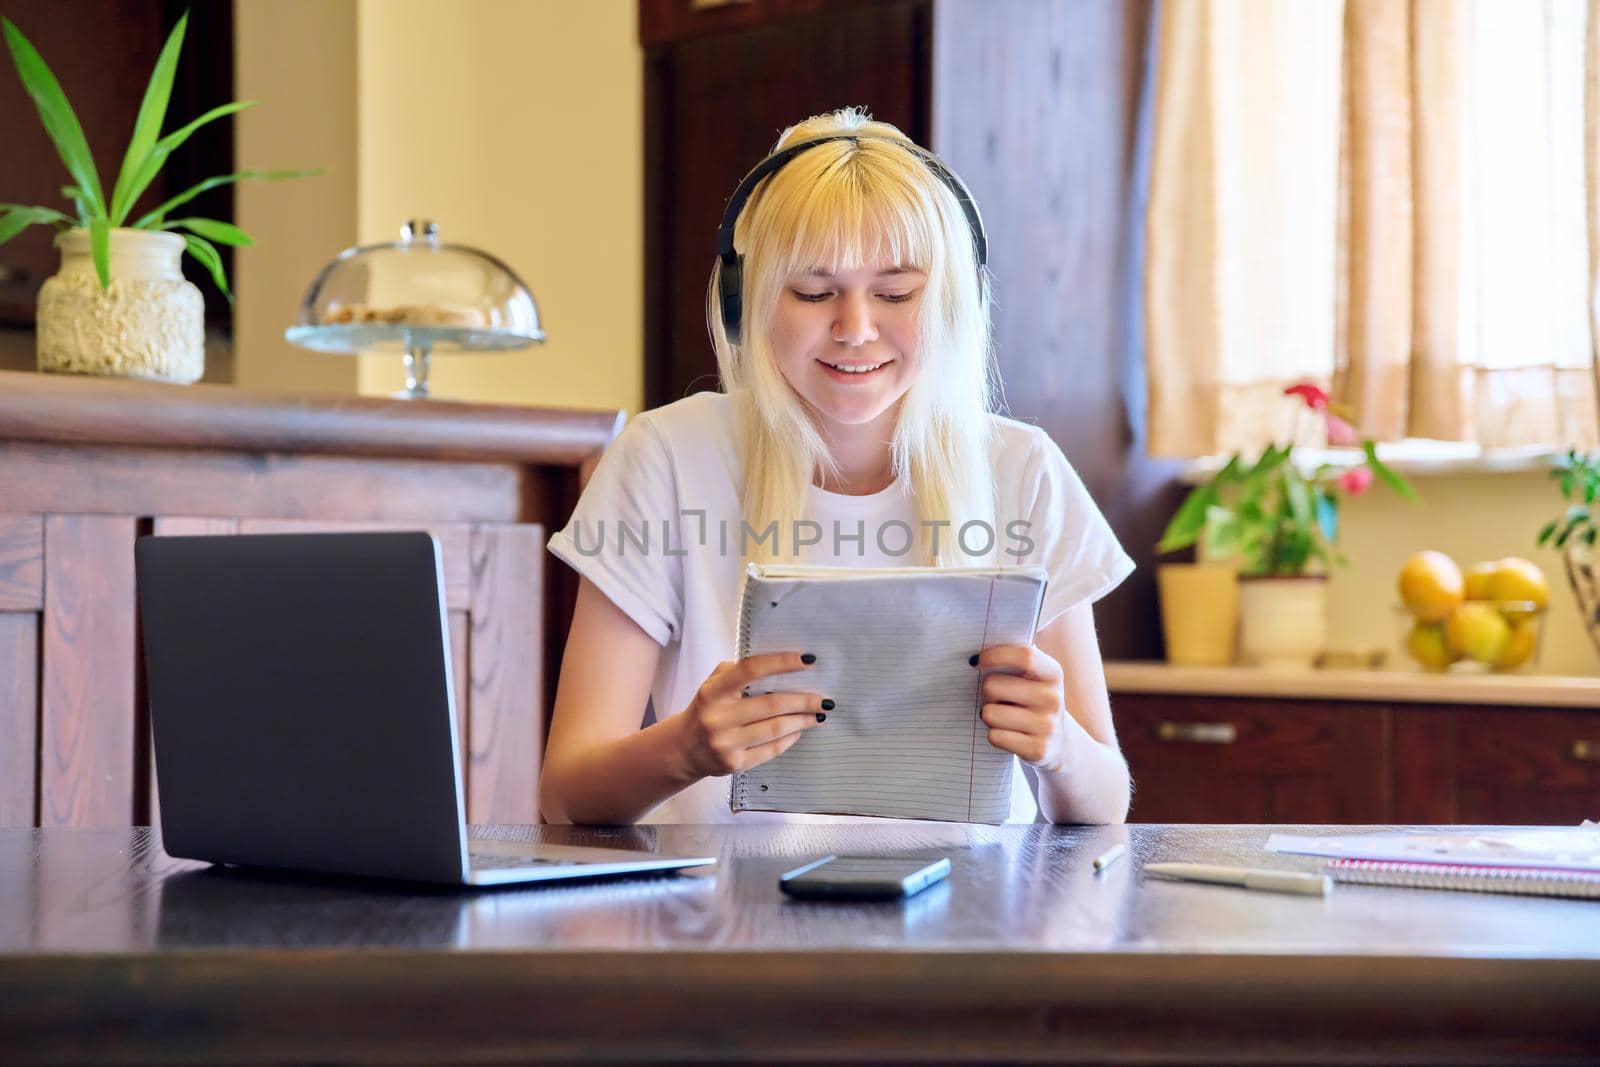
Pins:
x: 1108, y: 857
x: 1311, y: 885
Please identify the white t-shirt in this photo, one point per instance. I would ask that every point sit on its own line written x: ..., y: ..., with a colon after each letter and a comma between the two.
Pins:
x: 658, y: 527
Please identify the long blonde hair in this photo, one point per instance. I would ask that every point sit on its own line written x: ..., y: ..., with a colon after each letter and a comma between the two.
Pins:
x: 841, y: 206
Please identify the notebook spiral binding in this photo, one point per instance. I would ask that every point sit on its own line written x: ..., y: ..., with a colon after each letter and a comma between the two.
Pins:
x: 1467, y: 878
x: 747, y: 607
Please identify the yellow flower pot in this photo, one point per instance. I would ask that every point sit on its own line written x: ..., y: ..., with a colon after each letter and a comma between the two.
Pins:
x: 1199, y: 611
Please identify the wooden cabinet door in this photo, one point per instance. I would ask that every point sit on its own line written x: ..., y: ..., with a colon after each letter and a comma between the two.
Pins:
x: 68, y: 754
x: 1525, y: 766
x: 21, y: 605
x: 493, y: 587
x: 719, y: 87
x: 1228, y: 760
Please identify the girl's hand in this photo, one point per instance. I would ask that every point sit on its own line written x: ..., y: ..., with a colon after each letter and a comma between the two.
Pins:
x: 1024, y: 704
x: 724, y: 731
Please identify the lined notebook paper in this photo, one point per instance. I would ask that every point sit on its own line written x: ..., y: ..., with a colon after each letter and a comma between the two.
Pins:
x: 904, y: 739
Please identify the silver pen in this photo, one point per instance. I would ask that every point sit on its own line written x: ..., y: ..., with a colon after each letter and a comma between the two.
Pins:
x: 1311, y: 885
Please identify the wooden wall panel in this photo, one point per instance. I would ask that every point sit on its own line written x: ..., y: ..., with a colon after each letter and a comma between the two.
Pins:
x: 461, y: 677
x: 506, y: 657
x: 663, y: 22
x: 1037, y: 107
x: 21, y: 562
x: 21, y: 600
x: 19, y: 717
x: 715, y: 105
x: 88, y: 722
x: 87, y: 463
x: 115, y: 479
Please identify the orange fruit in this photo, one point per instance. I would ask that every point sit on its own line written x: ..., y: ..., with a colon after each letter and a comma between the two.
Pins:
x: 1518, y: 580
x: 1427, y: 645
x: 1477, y: 630
x: 1480, y: 581
x: 1519, y: 645
x: 1431, y: 586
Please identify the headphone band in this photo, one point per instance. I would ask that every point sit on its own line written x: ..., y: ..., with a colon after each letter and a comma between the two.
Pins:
x: 731, y: 263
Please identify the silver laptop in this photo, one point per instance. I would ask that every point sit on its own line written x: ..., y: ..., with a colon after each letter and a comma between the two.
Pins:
x: 304, y: 713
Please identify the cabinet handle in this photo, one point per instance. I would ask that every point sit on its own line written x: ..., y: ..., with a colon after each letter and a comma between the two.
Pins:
x: 1203, y: 733
x: 1585, y: 751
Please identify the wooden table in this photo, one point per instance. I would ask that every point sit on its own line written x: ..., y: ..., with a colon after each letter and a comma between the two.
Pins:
x: 111, y: 952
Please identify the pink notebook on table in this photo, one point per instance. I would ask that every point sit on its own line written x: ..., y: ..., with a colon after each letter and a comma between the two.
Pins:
x: 1553, y: 861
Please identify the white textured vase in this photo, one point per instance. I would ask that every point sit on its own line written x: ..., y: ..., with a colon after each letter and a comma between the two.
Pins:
x: 1283, y: 622
x: 149, y: 323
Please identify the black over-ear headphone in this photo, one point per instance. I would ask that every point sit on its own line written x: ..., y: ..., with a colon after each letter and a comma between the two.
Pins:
x: 730, y: 264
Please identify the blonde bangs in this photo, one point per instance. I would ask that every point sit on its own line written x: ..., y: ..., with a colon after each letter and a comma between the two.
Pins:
x: 860, y: 206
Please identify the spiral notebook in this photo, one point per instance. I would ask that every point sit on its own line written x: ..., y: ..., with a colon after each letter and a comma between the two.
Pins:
x: 1527, y: 881
x: 892, y: 644
x: 1549, y: 861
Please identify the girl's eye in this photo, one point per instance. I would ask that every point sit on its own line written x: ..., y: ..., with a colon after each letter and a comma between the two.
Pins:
x: 814, y: 298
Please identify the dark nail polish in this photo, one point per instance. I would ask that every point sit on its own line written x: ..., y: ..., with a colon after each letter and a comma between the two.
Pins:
x: 972, y: 660
x: 807, y: 657
x: 827, y: 705
x: 821, y: 717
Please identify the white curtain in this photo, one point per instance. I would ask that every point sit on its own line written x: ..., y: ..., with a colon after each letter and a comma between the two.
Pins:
x: 1392, y: 199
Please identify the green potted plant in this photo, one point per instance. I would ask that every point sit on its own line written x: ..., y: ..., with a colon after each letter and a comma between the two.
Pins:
x: 120, y: 304
x: 1575, y: 531
x: 1277, y: 527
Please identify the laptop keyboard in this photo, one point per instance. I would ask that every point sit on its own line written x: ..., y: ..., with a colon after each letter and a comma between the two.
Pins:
x: 488, y: 861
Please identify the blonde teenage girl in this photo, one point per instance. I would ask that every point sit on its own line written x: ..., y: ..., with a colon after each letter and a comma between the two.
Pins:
x: 857, y: 428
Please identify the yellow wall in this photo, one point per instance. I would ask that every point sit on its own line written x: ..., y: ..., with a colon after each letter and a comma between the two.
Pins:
x: 1471, y: 518
x: 297, y: 58
x: 515, y: 125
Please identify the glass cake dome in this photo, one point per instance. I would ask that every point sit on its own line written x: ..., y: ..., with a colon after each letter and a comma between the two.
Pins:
x: 417, y: 296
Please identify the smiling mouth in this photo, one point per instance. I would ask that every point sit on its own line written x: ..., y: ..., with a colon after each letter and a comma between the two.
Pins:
x: 855, y: 368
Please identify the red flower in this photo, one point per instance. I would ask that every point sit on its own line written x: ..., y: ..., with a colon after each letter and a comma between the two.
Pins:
x: 1356, y: 480
x: 1316, y: 399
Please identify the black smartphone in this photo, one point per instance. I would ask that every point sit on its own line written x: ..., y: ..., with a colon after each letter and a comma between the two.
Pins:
x: 864, y: 877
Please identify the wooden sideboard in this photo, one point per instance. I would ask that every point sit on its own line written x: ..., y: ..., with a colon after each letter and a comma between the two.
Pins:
x: 89, y: 465
x: 1406, y: 748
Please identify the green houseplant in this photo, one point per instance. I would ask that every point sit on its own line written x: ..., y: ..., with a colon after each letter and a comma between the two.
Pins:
x: 120, y: 304
x: 1277, y: 527
x: 1575, y: 531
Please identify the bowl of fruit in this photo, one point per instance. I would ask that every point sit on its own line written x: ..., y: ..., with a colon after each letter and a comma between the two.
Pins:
x: 1489, y: 617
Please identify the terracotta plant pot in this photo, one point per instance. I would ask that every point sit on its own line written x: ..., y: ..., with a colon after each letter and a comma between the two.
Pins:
x: 149, y: 323
x: 1283, y: 622
x: 1199, y: 612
